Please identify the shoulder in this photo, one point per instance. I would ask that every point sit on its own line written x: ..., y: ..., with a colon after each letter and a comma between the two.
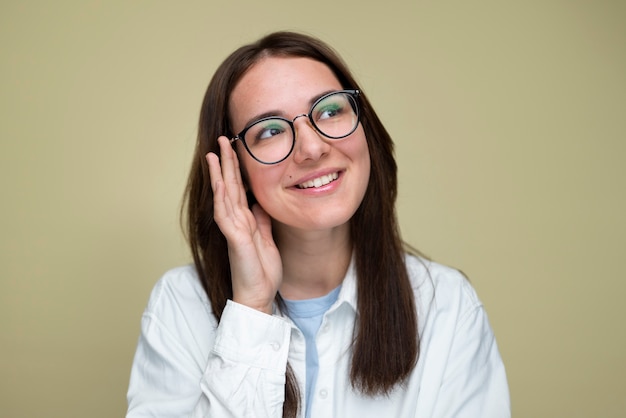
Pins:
x: 178, y: 294
x: 178, y: 283
x: 441, y: 288
x: 424, y: 272
x: 460, y: 370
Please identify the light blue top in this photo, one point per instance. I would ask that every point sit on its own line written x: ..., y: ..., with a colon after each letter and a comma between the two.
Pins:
x: 307, y: 315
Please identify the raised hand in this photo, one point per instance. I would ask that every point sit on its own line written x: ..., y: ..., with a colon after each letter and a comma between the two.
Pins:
x: 255, y: 262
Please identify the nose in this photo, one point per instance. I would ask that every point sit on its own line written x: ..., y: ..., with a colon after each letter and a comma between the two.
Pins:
x: 310, y: 144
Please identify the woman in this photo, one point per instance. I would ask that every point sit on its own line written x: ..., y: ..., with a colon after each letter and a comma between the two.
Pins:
x: 302, y: 300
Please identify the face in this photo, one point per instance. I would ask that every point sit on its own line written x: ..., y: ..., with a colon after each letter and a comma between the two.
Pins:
x: 322, y: 183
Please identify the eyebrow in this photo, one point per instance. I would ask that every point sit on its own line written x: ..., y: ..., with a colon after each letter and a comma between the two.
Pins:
x: 281, y: 113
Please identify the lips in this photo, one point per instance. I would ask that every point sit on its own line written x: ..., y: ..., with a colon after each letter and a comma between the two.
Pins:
x: 319, y: 181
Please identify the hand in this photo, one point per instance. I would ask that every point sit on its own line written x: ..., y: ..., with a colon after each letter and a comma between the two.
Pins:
x: 255, y: 262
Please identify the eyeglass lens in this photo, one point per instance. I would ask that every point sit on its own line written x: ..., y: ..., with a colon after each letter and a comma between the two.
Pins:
x: 271, y: 139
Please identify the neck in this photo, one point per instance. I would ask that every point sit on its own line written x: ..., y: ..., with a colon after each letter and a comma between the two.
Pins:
x: 314, y: 262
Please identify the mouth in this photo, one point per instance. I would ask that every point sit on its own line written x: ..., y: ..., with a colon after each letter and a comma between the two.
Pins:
x: 319, y: 182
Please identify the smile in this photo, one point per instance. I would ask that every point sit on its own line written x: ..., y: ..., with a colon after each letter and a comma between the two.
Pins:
x: 319, y: 182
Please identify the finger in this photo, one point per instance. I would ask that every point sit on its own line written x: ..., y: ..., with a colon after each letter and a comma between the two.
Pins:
x: 231, y: 173
x: 243, y: 189
x: 221, y: 206
x: 263, y: 221
x: 215, y: 170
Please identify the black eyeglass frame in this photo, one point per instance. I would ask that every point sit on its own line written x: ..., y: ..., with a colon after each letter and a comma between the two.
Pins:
x: 352, y: 92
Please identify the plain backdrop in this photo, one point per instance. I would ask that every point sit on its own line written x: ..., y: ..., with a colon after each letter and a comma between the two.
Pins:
x: 509, y: 122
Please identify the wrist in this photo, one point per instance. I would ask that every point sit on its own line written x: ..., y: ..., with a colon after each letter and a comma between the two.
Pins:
x: 266, y: 308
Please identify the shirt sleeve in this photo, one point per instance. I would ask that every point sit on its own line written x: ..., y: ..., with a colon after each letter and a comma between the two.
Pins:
x: 474, y: 382
x: 242, y: 376
x: 164, y: 377
x: 245, y: 375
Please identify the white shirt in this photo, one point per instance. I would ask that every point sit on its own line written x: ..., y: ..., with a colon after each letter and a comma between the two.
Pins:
x: 187, y: 365
x: 308, y: 315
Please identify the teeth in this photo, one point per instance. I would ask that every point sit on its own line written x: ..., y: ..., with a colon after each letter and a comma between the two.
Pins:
x: 318, y: 182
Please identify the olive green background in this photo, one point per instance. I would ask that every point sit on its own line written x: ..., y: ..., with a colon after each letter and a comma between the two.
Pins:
x: 510, y: 124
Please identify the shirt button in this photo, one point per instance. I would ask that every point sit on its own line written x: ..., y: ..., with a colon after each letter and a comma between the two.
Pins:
x: 275, y: 346
x: 323, y: 393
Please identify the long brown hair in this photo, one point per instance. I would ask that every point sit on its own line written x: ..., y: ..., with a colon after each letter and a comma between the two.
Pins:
x: 386, y: 341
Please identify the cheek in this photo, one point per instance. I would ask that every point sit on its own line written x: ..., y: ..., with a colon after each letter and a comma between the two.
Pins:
x: 367, y: 165
x: 257, y: 177
x: 358, y: 151
x: 361, y: 155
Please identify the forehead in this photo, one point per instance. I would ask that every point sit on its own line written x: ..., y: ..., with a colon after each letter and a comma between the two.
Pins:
x: 285, y: 84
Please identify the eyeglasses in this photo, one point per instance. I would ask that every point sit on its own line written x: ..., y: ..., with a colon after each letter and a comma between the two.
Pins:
x: 271, y: 140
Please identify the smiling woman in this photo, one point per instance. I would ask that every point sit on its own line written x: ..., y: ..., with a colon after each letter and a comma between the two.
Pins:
x: 303, y: 300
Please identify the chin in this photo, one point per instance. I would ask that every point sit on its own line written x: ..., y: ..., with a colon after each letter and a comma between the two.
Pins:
x: 321, y: 223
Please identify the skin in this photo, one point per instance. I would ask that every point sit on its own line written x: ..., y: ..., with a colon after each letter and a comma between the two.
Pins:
x: 296, y: 241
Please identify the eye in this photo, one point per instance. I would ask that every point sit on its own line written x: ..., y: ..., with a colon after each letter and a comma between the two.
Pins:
x: 332, y: 107
x: 328, y: 110
x: 264, y: 130
x: 270, y: 131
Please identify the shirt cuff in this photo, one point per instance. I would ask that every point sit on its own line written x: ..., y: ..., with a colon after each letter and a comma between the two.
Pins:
x: 245, y: 335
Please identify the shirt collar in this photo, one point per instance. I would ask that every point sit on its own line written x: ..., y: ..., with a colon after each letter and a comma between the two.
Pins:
x: 348, y: 290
